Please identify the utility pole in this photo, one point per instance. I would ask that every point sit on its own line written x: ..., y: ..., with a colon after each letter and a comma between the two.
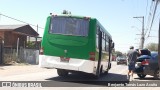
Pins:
x: 36, y: 45
x: 37, y: 28
x: 157, y: 2
x: 142, y: 33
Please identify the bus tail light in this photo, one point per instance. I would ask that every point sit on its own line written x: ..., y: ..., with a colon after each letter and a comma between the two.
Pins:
x: 41, y: 51
x: 145, y: 62
x: 92, y: 56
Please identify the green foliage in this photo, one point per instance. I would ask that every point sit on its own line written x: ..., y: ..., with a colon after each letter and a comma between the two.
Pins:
x: 152, y: 46
x: 30, y: 44
x: 118, y: 53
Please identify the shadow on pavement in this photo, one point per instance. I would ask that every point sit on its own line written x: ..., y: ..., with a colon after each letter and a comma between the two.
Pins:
x: 82, y: 79
x: 5, y: 65
x: 146, y: 78
x: 2, y: 66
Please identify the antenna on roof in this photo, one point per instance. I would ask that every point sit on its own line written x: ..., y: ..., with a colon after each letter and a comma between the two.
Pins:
x: 66, y: 12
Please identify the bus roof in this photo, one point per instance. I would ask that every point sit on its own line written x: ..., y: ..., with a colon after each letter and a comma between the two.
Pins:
x: 76, y: 16
x: 104, y: 30
x: 70, y: 15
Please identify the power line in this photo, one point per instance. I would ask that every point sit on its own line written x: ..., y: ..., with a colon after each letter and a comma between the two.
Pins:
x: 153, y: 17
x: 149, y: 17
x: 19, y: 20
x: 158, y: 15
x: 146, y: 9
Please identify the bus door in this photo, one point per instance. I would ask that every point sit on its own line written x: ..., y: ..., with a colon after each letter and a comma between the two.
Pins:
x: 100, y: 51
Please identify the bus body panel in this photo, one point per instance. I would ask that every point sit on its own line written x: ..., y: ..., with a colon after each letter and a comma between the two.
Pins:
x: 73, y: 64
x: 76, y: 48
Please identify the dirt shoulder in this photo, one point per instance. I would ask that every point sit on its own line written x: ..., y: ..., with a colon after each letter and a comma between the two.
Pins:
x: 17, y: 69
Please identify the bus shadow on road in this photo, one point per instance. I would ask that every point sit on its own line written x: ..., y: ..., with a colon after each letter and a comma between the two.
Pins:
x: 90, y: 80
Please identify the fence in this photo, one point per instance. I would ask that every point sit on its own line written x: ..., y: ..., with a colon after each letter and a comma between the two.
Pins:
x: 21, y: 55
x: 1, y: 53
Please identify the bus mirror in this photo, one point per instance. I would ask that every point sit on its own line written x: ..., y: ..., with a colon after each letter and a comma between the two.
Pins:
x: 112, y: 45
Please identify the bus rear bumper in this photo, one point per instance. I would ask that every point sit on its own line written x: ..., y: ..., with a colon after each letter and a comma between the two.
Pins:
x: 73, y: 64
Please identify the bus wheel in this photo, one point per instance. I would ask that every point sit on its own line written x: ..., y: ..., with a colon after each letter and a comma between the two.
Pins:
x: 62, y: 72
x: 99, y: 73
x: 96, y: 76
x: 106, y: 72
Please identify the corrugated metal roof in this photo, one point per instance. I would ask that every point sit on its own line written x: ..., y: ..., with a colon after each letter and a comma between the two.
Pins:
x: 10, y: 27
x: 24, y: 29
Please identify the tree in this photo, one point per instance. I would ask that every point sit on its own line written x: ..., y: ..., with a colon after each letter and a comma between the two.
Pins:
x: 118, y: 53
x: 152, y: 46
x: 30, y: 44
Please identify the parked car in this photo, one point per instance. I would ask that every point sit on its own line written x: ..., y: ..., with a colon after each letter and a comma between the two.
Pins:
x: 147, y: 64
x: 121, y: 60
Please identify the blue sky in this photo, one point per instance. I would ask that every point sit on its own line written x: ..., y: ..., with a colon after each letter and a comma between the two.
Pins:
x: 115, y: 15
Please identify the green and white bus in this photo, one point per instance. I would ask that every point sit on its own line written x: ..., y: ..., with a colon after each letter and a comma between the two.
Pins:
x: 75, y: 43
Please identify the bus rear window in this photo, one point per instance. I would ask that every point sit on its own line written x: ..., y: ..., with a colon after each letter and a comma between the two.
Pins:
x: 69, y: 26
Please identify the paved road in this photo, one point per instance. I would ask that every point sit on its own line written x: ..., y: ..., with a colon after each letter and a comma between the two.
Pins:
x: 34, y: 73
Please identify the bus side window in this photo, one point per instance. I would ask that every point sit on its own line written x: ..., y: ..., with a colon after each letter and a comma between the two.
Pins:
x: 97, y: 36
x: 103, y: 41
x: 102, y: 35
x: 107, y: 44
x: 103, y: 44
x: 97, y: 41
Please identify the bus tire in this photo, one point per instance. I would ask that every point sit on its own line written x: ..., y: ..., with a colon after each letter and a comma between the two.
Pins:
x: 106, y: 72
x: 109, y: 67
x: 62, y: 72
x: 96, y: 76
x: 98, y: 73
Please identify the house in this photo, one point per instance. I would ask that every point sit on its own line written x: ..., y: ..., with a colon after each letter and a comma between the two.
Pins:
x: 10, y: 35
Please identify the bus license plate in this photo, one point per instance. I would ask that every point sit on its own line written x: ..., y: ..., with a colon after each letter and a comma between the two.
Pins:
x: 64, y: 59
